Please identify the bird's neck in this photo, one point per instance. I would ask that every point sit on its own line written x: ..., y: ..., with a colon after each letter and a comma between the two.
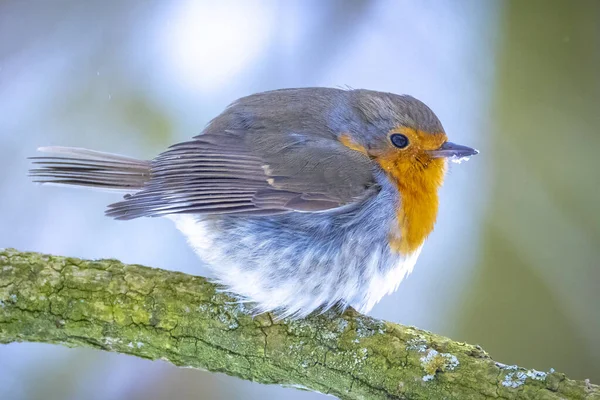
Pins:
x: 418, y: 208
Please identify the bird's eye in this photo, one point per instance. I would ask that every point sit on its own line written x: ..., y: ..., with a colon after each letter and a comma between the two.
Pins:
x: 399, y: 140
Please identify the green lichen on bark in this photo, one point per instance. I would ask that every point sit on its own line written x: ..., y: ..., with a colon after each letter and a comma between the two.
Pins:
x: 185, y: 320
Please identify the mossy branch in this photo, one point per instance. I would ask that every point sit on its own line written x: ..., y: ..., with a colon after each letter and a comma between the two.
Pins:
x: 183, y: 319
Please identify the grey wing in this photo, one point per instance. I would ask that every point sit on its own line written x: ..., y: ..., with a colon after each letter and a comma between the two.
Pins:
x: 246, y: 173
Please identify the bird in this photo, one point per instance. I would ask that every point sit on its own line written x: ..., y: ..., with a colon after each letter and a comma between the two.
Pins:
x: 299, y: 200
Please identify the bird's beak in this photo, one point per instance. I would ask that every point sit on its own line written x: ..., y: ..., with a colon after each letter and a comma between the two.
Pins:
x: 449, y: 150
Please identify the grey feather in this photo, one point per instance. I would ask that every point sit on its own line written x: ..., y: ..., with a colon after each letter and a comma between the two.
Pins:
x: 183, y: 183
x: 82, y: 167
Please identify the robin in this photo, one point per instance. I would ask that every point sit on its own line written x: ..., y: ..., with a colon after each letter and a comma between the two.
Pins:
x: 299, y: 200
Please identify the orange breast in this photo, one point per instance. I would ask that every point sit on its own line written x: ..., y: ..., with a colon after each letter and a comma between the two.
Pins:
x: 418, y: 178
x: 418, y: 183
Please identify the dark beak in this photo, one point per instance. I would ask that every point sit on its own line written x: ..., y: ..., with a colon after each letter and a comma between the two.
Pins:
x: 450, y: 149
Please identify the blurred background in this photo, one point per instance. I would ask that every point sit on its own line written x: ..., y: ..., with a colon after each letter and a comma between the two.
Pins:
x: 514, y: 262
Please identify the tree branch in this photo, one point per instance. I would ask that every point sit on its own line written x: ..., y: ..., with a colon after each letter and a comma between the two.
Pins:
x: 183, y: 319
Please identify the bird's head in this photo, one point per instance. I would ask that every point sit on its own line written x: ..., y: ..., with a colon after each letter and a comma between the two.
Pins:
x: 407, y: 141
x: 403, y: 135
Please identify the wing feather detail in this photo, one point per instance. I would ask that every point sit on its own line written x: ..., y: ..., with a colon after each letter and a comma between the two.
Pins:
x: 250, y: 173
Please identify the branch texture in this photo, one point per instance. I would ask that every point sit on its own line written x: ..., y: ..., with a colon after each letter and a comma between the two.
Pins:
x: 185, y: 320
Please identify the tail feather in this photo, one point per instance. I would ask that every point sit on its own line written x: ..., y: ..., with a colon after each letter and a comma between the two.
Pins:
x: 83, y: 167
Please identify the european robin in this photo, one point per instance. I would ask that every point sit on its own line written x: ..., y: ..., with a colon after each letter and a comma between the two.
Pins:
x: 298, y: 199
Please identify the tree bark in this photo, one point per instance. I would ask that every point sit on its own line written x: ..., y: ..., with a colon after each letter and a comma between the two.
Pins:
x: 185, y: 320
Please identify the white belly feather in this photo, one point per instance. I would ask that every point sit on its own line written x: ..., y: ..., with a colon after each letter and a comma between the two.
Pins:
x: 290, y: 279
